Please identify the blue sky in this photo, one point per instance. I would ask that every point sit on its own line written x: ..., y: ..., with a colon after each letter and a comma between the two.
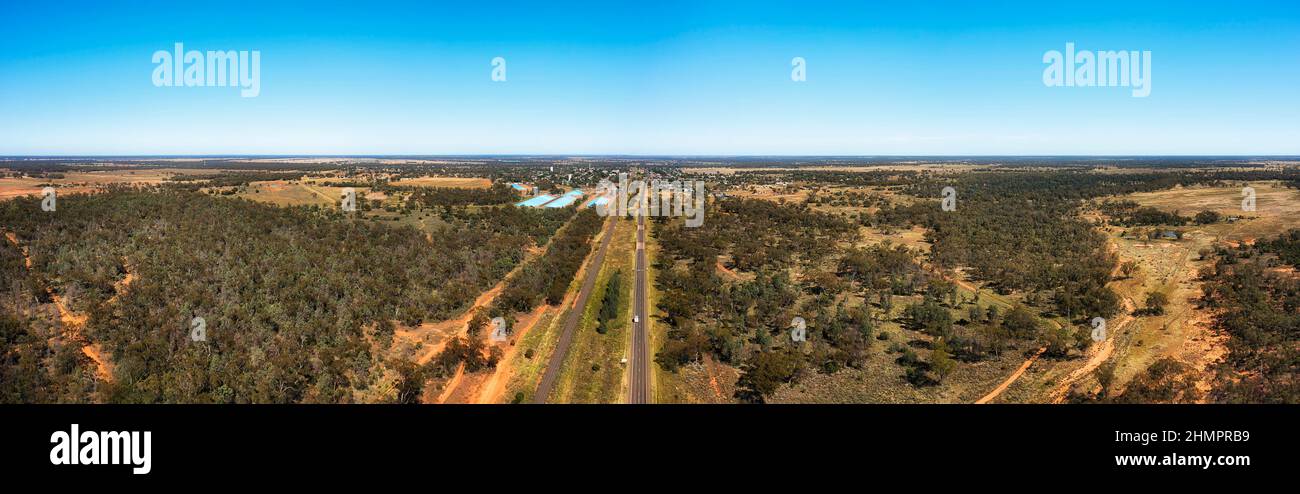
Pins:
x: 650, y: 78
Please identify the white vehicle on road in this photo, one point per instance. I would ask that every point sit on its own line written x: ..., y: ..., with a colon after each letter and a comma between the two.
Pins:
x: 636, y: 319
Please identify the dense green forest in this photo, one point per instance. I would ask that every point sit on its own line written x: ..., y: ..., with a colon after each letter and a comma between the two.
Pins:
x: 427, y: 197
x: 232, y: 178
x: 1128, y: 213
x: 289, y: 295
x: 547, y: 278
x: 542, y: 279
x: 35, y: 366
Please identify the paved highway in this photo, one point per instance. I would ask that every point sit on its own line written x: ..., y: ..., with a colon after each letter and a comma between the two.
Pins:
x: 639, y: 378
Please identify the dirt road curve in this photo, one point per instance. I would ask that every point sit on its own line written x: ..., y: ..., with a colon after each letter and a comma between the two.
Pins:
x: 72, y: 322
x: 1014, y: 375
x: 1097, y: 354
x: 573, y: 317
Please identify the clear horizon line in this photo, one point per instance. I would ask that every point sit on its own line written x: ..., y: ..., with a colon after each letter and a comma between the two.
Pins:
x: 618, y: 155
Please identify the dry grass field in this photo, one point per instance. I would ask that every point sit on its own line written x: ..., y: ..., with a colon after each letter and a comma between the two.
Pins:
x: 1169, y: 267
x: 1277, y: 208
x: 85, y: 181
x: 294, y: 193
x: 461, y: 182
